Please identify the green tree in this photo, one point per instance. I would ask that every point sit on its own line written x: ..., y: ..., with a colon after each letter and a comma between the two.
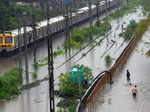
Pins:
x: 67, y: 88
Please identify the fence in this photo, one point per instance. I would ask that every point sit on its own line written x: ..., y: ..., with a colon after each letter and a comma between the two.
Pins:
x: 89, y: 99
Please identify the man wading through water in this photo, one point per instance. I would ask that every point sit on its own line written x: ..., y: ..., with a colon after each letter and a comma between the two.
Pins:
x: 128, y: 75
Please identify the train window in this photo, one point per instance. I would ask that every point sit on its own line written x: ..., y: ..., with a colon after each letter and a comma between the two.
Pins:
x: 8, y: 40
x: 1, y: 40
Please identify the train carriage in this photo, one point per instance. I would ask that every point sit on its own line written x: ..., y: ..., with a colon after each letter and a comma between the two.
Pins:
x: 6, y: 40
x: 81, y: 14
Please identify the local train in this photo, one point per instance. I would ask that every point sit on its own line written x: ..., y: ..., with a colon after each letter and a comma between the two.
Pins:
x: 6, y: 40
x: 56, y: 24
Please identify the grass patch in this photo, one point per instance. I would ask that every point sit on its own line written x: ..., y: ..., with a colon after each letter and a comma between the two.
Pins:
x: 35, y: 65
x: 34, y: 75
x: 109, y: 100
x: 58, y: 52
x: 108, y: 60
x: 146, y: 5
x: 142, y: 27
x: 72, y: 108
x: 102, y: 101
x: 84, y: 54
x: 80, y: 36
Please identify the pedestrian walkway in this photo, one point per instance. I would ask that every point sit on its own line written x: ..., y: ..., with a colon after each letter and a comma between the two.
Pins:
x: 118, y: 97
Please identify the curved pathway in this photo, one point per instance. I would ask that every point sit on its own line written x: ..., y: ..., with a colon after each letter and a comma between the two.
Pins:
x: 118, y: 97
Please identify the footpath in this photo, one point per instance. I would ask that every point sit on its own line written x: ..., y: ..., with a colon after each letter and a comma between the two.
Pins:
x: 118, y: 97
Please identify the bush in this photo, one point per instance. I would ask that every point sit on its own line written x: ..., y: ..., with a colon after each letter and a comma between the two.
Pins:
x: 77, y: 35
x: 80, y: 36
x: 9, y: 84
x: 34, y: 75
x: 142, y: 27
x: 129, y: 32
x: 72, y: 108
x: 58, y: 52
x: 108, y: 60
x: 35, y: 65
x: 67, y: 88
x: 145, y: 5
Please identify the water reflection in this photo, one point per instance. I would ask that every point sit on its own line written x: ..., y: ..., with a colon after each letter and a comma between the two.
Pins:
x: 36, y: 99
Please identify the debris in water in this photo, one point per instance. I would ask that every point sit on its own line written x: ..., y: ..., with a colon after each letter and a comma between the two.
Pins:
x: 38, y: 100
x: 109, y: 100
x: 148, y: 53
x: 102, y: 101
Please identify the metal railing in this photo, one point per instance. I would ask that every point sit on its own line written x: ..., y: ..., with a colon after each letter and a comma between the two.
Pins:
x: 92, y: 93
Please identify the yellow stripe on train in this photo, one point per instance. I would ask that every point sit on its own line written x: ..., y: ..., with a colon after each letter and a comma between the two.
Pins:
x: 6, y: 40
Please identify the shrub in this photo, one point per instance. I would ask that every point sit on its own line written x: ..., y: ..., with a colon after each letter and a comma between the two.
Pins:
x: 35, y: 65
x: 9, y: 84
x: 129, y: 32
x: 58, y: 52
x: 142, y: 27
x: 108, y: 60
x: 80, y: 36
x: 67, y: 88
x: 34, y: 75
x: 72, y: 108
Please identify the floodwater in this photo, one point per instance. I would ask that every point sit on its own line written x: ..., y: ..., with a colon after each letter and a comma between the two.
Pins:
x: 118, y: 97
x: 36, y: 99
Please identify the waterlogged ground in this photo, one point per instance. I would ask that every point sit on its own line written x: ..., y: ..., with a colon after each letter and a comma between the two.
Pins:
x: 118, y: 97
x: 36, y: 99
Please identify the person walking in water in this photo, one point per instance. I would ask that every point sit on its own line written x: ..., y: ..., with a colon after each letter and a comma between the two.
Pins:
x: 128, y: 75
x: 134, y: 91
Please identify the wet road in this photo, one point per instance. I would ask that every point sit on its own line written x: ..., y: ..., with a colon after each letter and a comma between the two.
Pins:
x: 118, y: 97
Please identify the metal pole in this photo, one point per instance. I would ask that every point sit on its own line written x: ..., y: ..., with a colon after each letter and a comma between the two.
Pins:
x: 34, y: 32
x: 26, y: 48
x: 90, y: 12
x: 79, y: 85
x: 106, y: 9
x: 121, y: 3
x: 19, y: 60
x: 127, y: 2
x: 67, y: 33
x: 50, y: 63
x: 2, y: 15
x: 97, y: 11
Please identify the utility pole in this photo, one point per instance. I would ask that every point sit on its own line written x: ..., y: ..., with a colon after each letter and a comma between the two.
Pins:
x: 90, y: 12
x: 127, y: 2
x: 26, y: 49
x: 18, y: 38
x: 108, y: 5
x: 106, y: 9
x: 67, y: 30
x: 97, y: 12
x: 121, y: 3
x: 2, y: 15
x: 79, y: 85
x: 33, y: 25
x: 50, y: 63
